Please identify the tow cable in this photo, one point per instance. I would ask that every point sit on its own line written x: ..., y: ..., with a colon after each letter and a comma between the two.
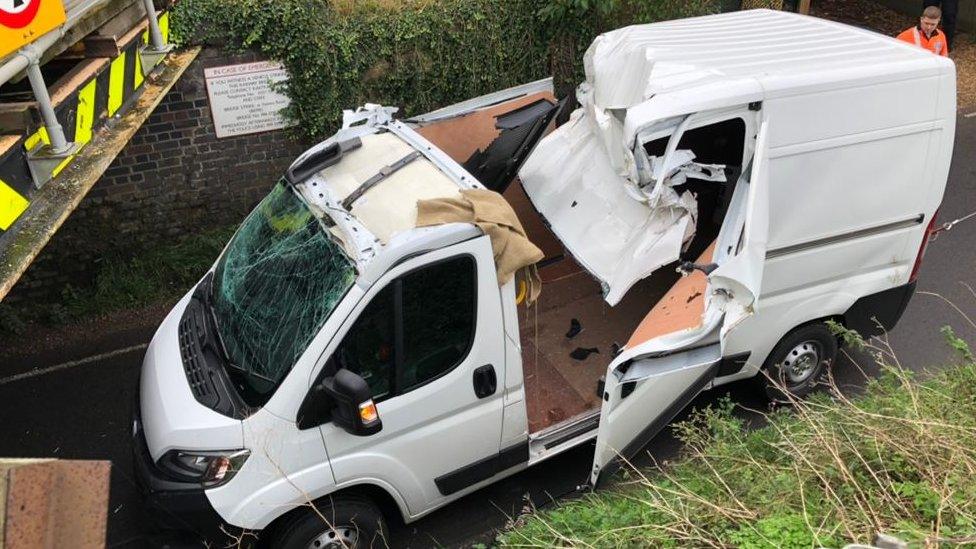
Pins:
x: 946, y: 227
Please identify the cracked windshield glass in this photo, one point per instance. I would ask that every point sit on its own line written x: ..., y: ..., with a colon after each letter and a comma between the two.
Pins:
x: 275, y: 286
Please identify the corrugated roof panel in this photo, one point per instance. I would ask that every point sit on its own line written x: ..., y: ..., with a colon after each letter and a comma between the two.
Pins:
x: 760, y: 43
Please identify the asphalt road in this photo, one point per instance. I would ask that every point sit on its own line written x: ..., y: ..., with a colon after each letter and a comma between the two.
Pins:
x: 83, y: 410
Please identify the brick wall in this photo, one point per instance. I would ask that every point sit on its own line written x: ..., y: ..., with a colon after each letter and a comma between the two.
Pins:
x: 173, y: 179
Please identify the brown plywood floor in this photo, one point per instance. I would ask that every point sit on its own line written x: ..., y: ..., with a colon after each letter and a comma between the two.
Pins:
x: 558, y: 386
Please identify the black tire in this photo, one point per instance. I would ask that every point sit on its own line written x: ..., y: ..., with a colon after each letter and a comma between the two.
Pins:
x: 797, y: 362
x: 344, y: 515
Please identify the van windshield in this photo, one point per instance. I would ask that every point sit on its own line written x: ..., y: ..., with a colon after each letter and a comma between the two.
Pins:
x: 276, y: 284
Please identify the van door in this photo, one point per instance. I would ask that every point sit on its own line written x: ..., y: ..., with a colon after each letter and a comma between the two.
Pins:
x: 741, y: 245
x: 429, y: 341
x: 643, y: 393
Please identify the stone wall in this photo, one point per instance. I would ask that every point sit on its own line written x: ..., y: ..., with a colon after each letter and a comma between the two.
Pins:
x: 173, y: 179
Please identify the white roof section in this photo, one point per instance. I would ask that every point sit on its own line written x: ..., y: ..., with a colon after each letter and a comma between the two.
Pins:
x: 753, y: 54
x: 391, y: 206
x: 379, y: 227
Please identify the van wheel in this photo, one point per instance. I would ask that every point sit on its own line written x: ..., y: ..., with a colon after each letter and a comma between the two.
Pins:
x: 344, y: 522
x: 797, y: 361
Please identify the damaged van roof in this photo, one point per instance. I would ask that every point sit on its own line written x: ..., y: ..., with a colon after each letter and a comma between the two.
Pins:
x: 688, y: 64
x: 369, y: 196
x: 611, y: 202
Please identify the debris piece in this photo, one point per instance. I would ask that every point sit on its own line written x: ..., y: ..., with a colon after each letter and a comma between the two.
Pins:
x: 615, y: 349
x: 580, y: 353
x: 574, y: 328
x: 555, y: 415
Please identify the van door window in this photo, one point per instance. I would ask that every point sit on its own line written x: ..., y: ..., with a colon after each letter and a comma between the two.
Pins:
x: 438, y: 319
x: 416, y: 329
x: 368, y: 348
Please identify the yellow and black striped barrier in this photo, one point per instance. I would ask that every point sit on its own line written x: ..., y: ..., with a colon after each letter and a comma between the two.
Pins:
x: 103, y: 95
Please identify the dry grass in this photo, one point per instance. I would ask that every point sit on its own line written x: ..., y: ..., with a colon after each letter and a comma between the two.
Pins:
x: 900, y: 460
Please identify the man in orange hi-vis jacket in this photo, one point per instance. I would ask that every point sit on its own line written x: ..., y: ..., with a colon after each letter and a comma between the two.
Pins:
x: 927, y: 34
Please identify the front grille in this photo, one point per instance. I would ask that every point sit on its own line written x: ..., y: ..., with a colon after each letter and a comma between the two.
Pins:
x: 190, y: 335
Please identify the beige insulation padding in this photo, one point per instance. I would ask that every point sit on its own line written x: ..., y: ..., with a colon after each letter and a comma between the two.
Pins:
x: 495, y: 217
x: 391, y: 206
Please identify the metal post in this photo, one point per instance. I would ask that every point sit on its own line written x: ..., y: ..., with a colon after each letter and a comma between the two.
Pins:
x: 153, y: 53
x: 155, y: 35
x: 44, y: 160
x: 54, y: 131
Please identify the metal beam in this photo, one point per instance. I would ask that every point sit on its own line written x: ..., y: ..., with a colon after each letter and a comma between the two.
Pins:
x: 16, y: 63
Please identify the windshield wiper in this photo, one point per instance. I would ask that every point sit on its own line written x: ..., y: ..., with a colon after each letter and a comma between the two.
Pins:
x: 249, y: 373
x: 208, y: 301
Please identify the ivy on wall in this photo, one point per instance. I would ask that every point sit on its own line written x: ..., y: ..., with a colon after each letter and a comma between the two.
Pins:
x: 415, y: 54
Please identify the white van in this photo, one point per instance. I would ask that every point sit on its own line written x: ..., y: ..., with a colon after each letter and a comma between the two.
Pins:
x: 339, y: 355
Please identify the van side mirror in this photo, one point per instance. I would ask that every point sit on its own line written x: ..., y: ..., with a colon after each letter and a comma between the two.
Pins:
x: 345, y: 399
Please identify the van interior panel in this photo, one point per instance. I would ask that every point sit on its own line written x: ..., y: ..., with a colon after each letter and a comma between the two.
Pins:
x: 559, y: 387
x: 680, y: 309
x: 462, y: 136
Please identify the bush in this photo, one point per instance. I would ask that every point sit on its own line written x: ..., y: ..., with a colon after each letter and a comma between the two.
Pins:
x: 900, y: 460
x: 415, y: 54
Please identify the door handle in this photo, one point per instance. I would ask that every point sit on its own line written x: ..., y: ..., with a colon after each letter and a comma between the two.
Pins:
x: 485, y: 381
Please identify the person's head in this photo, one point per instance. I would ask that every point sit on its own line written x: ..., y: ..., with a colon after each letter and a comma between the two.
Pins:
x: 930, y: 19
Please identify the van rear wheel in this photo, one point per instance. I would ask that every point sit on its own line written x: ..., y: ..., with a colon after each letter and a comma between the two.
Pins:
x: 797, y: 362
x: 344, y: 522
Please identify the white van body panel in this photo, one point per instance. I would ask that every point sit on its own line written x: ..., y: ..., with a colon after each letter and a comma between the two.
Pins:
x: 441, y: 426
x: 171, y: 417
x: 835, y: 118
x: 287, y: 467
x: 516, y: 426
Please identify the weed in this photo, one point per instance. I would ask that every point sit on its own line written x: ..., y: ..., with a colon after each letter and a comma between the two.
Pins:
x: 156, y: 274
x: 898, y: 459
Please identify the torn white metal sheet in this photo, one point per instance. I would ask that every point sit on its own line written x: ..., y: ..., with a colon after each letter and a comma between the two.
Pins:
x: 572, y: 182
x: 681, y: 166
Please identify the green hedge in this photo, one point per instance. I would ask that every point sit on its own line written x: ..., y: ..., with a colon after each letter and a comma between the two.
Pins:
x: 418, y: 55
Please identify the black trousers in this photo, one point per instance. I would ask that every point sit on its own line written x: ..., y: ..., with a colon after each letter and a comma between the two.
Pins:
x: 950, y: 8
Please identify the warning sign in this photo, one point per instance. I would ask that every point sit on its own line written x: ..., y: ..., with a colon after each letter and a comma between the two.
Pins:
x: 242, y: 98
x: 23, y: 21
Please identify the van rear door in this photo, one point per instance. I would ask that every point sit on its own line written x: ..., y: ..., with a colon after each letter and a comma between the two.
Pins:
x: 649, y: 384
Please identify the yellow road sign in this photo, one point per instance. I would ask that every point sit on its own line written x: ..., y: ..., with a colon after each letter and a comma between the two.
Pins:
x: 23, y: 21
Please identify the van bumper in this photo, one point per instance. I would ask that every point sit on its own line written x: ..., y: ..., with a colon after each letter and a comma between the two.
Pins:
x: 175, y: 506
x: 878, y: 313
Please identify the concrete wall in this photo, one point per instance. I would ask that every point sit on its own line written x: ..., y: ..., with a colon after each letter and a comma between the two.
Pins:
x: 967, y: 11
x: 173, y: 179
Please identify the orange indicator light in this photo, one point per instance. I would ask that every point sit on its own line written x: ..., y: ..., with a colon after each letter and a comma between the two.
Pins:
x: 367, y: 412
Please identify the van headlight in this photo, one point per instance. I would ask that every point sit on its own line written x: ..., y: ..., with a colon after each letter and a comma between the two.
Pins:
x: 207, y: 468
